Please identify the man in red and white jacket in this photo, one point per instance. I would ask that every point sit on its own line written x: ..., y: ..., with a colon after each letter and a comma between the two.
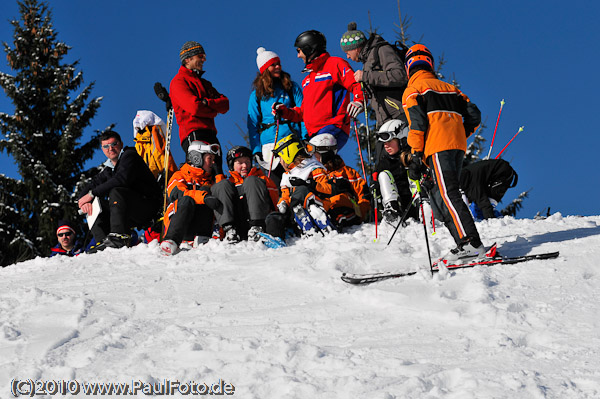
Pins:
x: 195, y: 101
x: 331, y: 94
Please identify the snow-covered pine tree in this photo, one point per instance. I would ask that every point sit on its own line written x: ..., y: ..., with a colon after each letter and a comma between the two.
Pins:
x: 43, y: 136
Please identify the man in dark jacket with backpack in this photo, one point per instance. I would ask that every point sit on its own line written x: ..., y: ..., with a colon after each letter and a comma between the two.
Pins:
x: 128, y: 192
x: 383, y: 75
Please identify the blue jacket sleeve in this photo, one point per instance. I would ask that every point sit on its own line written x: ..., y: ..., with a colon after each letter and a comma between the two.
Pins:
x: 298, y: 97
x: 252, y: 122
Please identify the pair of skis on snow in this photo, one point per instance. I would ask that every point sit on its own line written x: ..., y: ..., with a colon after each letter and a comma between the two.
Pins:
x: 492, y: 257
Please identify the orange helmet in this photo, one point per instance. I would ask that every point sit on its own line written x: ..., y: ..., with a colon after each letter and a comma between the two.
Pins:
x: 418, y: 55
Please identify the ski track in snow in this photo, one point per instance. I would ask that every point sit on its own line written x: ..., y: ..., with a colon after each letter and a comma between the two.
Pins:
x: 281, y: 324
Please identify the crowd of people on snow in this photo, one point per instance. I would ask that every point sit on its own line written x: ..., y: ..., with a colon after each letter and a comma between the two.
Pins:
x: 291, y: 180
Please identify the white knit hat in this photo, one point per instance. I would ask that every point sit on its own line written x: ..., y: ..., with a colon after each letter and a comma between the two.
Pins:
x: 265, y: 59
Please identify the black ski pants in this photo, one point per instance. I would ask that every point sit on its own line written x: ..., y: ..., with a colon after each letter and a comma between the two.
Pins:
x: 446, y: 201
x: 123, y: 210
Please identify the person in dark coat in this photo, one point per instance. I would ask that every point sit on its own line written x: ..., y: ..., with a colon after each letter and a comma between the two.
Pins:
x: 486, y: 182
x: 383, y: 75
x: 129, y: 194
x: 68, y: 244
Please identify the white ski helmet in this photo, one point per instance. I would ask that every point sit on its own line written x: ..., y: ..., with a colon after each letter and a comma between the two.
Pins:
x: 392, y: 129
x: 196, y: 151
x: 322, y: 143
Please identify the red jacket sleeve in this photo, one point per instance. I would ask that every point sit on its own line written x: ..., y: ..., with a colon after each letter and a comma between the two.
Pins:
x: 346, y: 78
x: 183, y: 95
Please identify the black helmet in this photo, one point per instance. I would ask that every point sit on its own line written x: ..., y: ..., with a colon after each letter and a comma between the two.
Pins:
x: 312, y: 43
x: 236, y: 152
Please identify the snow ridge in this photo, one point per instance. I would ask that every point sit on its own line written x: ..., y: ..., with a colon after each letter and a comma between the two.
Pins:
x: 280, y: 323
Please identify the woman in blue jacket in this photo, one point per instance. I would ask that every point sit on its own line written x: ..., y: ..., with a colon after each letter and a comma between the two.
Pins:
x: 271, y: 85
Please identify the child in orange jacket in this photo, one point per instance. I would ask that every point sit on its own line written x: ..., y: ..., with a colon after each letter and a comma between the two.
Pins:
x: 257, y: 194
x: 305, y: 187
x: 350, y: 205
x: 197, y: 195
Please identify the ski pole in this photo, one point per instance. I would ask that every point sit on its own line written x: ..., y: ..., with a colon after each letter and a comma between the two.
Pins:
x: 362, y: 161
x: 163, y: 94
x: 277, y: 119
x: 507, y: 144
x: 167, y: 156
x: 366, y: 122
x: 405, y: 215
x: 426, y: 237
x: 496, y: 128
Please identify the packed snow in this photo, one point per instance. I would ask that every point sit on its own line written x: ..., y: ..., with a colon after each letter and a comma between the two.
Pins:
x: 255, y: 322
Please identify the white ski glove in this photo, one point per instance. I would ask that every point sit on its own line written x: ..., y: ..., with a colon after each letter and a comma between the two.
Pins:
x: 354, y: 108
x: 282, y: 207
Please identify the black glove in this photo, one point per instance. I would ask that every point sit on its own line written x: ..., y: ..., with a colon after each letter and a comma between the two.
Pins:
x: 339, y: 186
x: 416, y: 167
x: 276, y: 109
x: 213, y: 203
x: 296, y: 181
x: 258, y: 157
x: 374, y: 187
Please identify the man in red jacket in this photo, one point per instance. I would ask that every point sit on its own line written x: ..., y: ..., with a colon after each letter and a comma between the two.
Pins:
x: 195, y: 101
x: 331, y: 94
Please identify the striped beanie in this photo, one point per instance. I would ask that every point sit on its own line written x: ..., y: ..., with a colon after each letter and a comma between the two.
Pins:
x: 265, y: 59
x: 352, y: 39
x: 190, y: 49
x: 63, y: 226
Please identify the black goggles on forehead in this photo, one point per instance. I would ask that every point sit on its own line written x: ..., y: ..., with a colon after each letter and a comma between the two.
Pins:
x: 386, y: 136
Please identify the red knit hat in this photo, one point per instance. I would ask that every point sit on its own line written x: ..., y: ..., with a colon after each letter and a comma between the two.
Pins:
x: 265, y: 59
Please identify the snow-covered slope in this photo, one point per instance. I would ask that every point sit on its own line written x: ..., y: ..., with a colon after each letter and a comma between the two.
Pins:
x: 281, y: 324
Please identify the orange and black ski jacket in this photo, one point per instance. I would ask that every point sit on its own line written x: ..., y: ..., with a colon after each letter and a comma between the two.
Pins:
x: 440, y: 116
x: 238, y: 180
x: 359, y: 185
x: 188, y: 180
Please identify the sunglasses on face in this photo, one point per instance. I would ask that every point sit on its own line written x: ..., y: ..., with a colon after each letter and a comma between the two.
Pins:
x: 109, y: 145
x: 68, y: 234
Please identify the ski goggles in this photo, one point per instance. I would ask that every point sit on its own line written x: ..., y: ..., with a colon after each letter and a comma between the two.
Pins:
x: 68, y: 234
x: 311, y: 149
x: 198, y: 146
x: 386, y: 136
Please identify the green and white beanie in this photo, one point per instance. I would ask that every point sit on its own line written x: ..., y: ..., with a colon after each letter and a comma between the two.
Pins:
x: 353, y: 38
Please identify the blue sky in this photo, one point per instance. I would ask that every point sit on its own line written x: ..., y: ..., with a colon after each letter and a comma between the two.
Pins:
x: 542, y: 61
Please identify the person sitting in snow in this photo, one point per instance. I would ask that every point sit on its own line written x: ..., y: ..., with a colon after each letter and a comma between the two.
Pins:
x: 197, y: 195
x: 257, y: 194
x: 351, y: 205
x: 391, y: 173
x: 68, y: 244
x: 305, y: 187
x: 484, y: 184
x: 129, y: 195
